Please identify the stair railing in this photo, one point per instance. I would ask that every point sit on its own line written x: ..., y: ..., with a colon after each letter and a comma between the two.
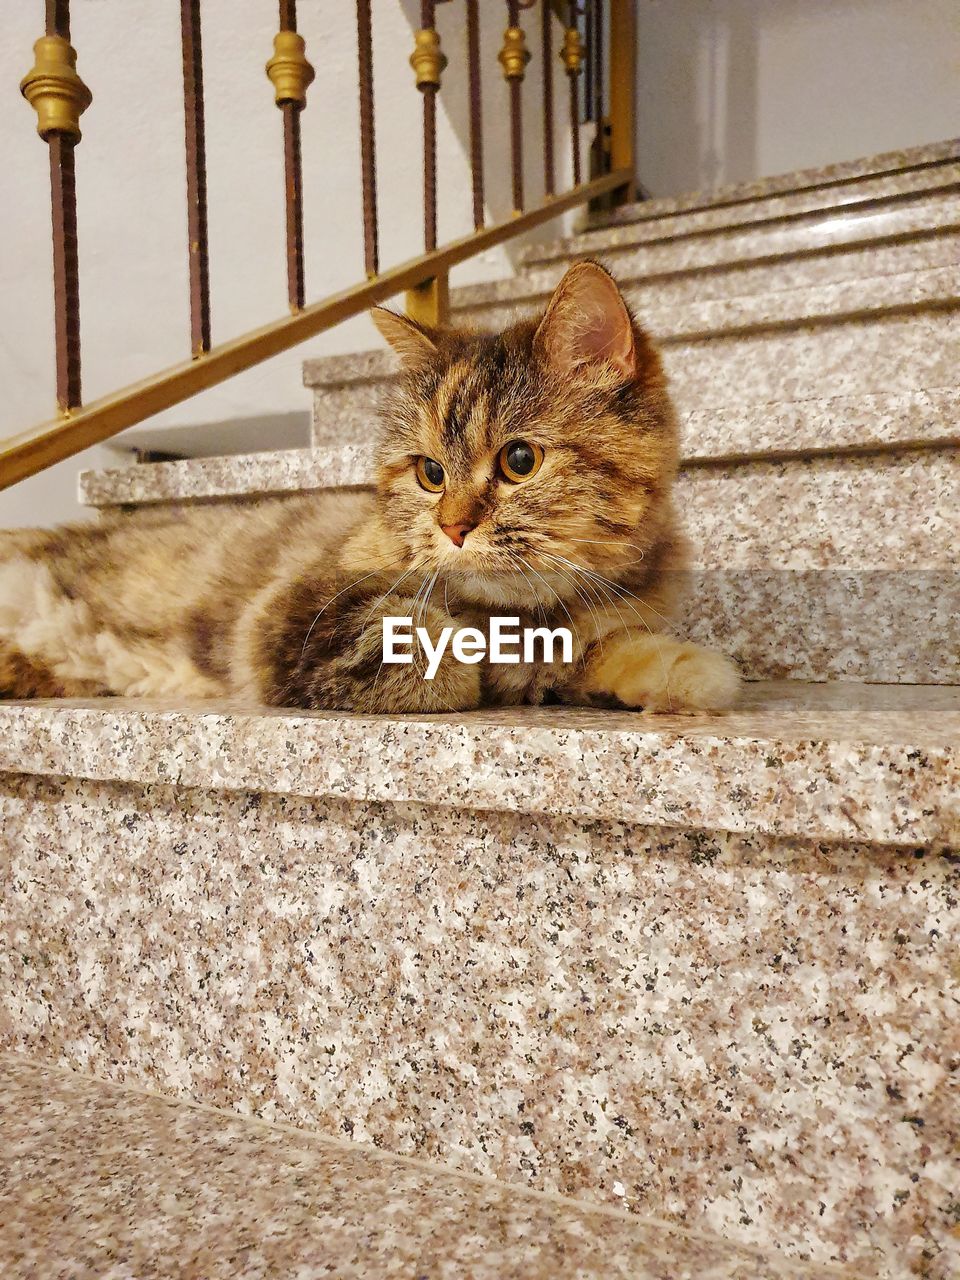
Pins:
x: 54, y: 88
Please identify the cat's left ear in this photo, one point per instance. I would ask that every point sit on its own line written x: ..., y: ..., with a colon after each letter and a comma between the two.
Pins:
x: 587, y: 325
x: 409, y: 341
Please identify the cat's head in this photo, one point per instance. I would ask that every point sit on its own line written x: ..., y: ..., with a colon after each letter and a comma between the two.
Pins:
x: 504, y: 455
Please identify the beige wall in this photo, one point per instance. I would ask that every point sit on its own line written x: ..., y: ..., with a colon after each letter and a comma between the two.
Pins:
x: 730, y: 90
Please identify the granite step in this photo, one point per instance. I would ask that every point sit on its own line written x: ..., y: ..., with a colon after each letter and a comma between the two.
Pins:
x: 779, y: 299
x: 896, y: 169
x: 698, y: 269
x: 809, y: 216
x: 818, y: 568
x: 906, y: 344
x: 698, y: 969
x: 108, y: 1181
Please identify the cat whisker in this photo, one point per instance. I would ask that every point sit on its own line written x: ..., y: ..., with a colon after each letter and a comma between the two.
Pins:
x: 348, y: 587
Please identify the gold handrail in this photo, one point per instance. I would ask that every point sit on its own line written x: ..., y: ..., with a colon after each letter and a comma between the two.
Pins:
x: 26, y: 454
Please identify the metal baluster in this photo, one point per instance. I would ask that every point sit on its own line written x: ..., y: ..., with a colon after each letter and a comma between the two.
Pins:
x: 368, y: 166
x: 290, y: 73
x: 571, y: 54
x: 513, y: 57
x: 59, y: 97
x: 546, y: 17
x: 198, y: 254
x: 428, y: 62
x: 476, y: 113
x: 588, y: 29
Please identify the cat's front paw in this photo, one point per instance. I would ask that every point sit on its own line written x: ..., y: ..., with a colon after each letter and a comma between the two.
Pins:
x: 433, y: 680
x: 659, y: 673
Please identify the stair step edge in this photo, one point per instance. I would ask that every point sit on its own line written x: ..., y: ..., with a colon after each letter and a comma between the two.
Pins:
x: 885, y: 163
x: 835, y: 762
x: 806, y: 428
x: 316, y: 1200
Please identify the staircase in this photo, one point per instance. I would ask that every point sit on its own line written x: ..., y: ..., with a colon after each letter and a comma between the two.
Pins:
x: 548, y: 990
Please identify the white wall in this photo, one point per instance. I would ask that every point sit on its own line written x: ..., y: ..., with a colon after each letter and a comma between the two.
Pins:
x: 730, y: 90
x: 131, y: 191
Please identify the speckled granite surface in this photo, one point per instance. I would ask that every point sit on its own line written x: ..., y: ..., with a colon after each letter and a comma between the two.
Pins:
x: 805, y: 207
x: 97, y: 1181
x: 832, y: 761
x: 887, y: 163
x: 792, y: 301
x: 815, y: 570
x: 908, y: 237
x: 889, y: 354
x: 756, y: 1036
x: 829, y: 512
x: 793, y: 426
x: 813, y: 202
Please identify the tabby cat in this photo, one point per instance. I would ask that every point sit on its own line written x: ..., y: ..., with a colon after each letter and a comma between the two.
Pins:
x: 526, y: 474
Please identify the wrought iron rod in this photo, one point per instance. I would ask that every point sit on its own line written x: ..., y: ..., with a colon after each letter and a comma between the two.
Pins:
x: 598, y: 67
x: 368, y: 163
x: 513, y: 59
x: 573, y: 64
x: 61, y: 142
x: 198, y: 252
x: 66, y: 270
x: 476, y: 112
x: 588, y: 31
x: 546, y: 30
x: 291, y: 73
x: 429, y: 91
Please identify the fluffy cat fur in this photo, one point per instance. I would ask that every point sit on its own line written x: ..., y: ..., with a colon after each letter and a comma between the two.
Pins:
x: 280, y: 601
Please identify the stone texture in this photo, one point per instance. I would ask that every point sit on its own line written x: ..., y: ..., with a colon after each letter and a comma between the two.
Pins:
x: 892, y: 354
x: 890, y: 165
x: 756, y: 1036
x: 807, y: 207
x: 801, y: 426
x: 909, y: 237
x: 107, y: 1183
x: 784, y: 297
x: 833, y: 761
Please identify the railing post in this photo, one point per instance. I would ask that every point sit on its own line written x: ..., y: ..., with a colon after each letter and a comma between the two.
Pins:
x: 623, y: 63
x: 429, y: 303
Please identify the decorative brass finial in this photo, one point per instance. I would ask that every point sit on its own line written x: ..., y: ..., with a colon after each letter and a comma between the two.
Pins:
x: 571, y: 51
x: 514, y: 55
x: 427, y: 59
x: 289, y: 70
x: 54, y: 90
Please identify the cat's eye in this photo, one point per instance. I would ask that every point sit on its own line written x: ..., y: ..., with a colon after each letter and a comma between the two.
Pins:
x: 519, y: 460
x: 430, y: 475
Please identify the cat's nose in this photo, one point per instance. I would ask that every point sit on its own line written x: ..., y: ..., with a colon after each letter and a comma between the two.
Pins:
x: 457, y: 533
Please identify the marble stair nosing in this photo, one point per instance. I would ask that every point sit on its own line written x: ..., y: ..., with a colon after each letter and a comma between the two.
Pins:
x: 128, y: 1180
x: 894, y: 166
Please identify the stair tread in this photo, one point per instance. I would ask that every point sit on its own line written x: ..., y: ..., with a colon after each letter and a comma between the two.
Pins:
x: 832, y: 761
x: 122, y: 1181
x: 847, y: 238
x: 891, y: 164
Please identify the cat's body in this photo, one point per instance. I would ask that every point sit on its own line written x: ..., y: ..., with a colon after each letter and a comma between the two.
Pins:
x: 526, y: 475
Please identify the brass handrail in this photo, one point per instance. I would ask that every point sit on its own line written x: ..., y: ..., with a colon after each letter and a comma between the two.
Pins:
x: 58, y: 95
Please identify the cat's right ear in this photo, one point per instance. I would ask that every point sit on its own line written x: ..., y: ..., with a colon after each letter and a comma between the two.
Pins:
x: 411, y: 343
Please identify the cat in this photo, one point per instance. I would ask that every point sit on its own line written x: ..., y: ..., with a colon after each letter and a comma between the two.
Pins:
x: 525, y: 474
